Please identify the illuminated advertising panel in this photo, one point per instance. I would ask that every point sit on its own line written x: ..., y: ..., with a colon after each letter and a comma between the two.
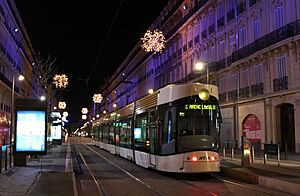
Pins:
x: 30, y: 131
x: 56, y: 132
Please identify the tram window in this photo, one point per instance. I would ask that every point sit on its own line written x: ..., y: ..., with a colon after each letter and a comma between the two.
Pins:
x: 117, y: 132
x: 197, y: 128
x: 193, y: 123
x: 167, y: 128
x: 123, y: 134
x: 140, y: 131
x: 105, y: 133
x: 100, y: 133
x: 111, y: 134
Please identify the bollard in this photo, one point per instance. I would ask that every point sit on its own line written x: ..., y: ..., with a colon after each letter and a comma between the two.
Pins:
x: 265, y: 158
x: 278, y: 155
x: 10, y: 155
x: 232, y: 153
x: 252, y: 154
x: 224, y: 153
x: 5, y: 163
x: 0, y: 159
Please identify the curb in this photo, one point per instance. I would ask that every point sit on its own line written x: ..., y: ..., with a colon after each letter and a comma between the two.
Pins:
x: 251, y: 178
x: 33, y: 184
x: 237, y: 174
x: 280, y: 185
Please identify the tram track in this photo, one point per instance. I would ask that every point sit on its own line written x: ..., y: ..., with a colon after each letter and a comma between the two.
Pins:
x: 146, y: 185
x: 196, y: 184
x: 101, y: 189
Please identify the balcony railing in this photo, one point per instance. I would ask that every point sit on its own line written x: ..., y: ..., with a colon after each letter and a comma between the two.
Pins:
x: 289, y: 30
x: 280, y: 84
x: 230, y: 15
x: 244, y: 92
x: 232, y: 95
x: 257, y: 89
x: 216, y: 66
x: 222, y: 97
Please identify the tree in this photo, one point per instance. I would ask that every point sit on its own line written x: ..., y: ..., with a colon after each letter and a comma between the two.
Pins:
x: 44, y: 71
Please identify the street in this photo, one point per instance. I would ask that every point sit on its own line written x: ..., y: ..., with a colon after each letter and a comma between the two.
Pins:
x: 117, y: 176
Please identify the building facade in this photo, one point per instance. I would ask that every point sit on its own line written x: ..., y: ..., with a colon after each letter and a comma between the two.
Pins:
x: 16, y: 58
x: 252, y: 52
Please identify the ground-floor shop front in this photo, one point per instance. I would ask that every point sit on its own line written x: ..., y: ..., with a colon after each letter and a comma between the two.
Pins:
x: 270, y: 120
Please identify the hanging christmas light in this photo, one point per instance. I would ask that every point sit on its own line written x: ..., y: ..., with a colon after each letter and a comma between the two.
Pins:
x: 84, y: 110
x: 62, y: 105
x: 60, y: 81
x: 153, y: 41
x: 65, y: 114
x: 97, y: 98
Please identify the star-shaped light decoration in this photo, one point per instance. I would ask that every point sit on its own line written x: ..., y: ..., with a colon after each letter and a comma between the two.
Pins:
x: 62, y: 105
x: 60, y: 81
x: 97, y: 98
x: 153, y: 41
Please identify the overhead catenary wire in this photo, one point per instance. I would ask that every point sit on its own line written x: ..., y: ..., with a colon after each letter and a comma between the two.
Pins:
x: 100, y: 52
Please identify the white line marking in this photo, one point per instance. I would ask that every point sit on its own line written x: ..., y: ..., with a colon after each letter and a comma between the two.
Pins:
x: 68, y: 163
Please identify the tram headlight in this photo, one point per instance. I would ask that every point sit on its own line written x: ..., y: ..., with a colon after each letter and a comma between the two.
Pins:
x: 204, y: 94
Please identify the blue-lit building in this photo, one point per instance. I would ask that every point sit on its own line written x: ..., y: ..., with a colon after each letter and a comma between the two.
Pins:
x: 16, y: 58
x: 252, y: 49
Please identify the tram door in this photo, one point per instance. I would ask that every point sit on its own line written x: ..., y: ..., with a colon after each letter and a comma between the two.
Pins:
x: 153, y: 133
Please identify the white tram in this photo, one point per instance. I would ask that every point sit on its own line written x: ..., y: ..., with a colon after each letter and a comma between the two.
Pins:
x: 171, y: 130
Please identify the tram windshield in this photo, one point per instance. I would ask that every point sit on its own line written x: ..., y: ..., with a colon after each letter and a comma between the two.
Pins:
x: 197, y: 124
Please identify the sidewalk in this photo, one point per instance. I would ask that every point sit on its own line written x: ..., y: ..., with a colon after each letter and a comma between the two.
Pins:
x: 285, y: 178
x: 50, y: 175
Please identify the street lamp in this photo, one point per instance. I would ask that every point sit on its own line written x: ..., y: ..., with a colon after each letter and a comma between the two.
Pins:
x: 20, y: 78
x: 199, y: 66
x: 43, y: 98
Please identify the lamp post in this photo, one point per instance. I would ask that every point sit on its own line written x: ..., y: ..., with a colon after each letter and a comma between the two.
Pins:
x: 12, y: 111
x: 200, y: 66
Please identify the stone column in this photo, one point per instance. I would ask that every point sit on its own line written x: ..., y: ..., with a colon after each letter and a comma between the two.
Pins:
x: 297, y: 122
x: 268, y: 121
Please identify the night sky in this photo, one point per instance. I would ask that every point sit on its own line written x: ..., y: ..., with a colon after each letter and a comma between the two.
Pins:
x: 89, y: 39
